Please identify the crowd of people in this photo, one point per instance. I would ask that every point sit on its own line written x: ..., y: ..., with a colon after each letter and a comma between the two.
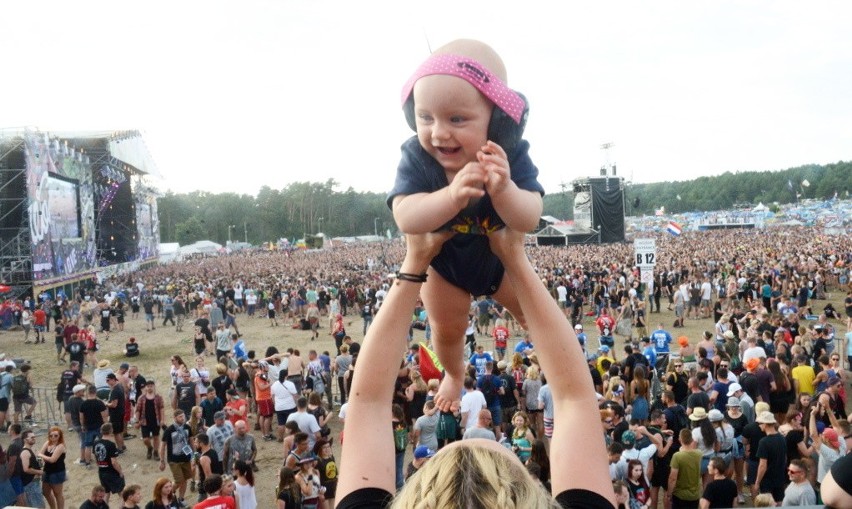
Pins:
x: 754, y: 406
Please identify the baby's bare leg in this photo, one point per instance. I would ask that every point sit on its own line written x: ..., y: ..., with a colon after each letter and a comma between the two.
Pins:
x: 447, y: 306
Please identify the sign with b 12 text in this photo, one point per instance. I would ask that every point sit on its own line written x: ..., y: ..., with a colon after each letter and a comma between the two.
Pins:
x: 645, y: 251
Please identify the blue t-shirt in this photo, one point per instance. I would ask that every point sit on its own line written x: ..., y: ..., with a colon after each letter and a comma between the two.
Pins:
x: 661, y: 340
x: 240, y: 350
x: 479, y: 362
x: 651, y: 354
x: 522, y: 346
x: 466, y: 261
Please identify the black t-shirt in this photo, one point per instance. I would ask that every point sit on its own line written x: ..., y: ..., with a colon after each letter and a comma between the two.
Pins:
x: 698, y: 399
x: 116, y: 414
x: 132, y: 349
x: 754, y: 435
x: 88, y: 504
x: 793, y: 438
x: 150, y: 413
x: 774, y: 450
x: 69, y: 380
x: 91, y: 410
x: 221, y: 385
x: 176, y: 439
x: 76, y: 351
x: 185, y: 395
x: 720, y: 493
x: 104, y: 451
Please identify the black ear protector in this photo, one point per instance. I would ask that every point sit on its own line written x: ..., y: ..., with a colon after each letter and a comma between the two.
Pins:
x: 502, y: 129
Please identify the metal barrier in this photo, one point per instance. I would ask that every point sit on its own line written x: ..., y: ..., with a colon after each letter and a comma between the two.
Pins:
x: 46, y: 413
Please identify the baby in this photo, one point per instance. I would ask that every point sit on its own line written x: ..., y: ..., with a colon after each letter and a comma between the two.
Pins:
x: 467, y: 171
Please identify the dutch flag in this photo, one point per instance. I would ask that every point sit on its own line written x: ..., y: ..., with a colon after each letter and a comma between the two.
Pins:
x: 674, y: 228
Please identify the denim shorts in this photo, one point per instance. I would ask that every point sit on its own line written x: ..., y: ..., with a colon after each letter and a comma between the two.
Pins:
x: 55, y: 477
x: 89, y: 437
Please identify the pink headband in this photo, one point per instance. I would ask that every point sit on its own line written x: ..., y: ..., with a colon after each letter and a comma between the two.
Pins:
x: 474, y: 73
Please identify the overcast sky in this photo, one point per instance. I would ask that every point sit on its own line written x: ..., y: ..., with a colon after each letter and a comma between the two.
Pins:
x: 231, y: 96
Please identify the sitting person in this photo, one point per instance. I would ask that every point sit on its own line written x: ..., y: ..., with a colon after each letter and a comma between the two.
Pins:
x: 473, y: 473
x: 131, y: 349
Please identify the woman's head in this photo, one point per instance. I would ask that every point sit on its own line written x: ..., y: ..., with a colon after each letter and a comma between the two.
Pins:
x: 243, y: 469
x: 520, y: 420
x: 635, y: 470
x: 473, y: 473
x: 286, y: 478
x: 55, y: 435
x: 163, y: 488
x: 315, y: 399
x: 517, y: 360
x: 532, y: 372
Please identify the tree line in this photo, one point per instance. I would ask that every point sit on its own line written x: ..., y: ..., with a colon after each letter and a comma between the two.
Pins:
x: 301, y: 209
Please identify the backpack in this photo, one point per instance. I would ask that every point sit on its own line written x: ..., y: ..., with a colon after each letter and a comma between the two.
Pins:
x: 20, y: 387
x: 400, y: 438
x: 489, y: 390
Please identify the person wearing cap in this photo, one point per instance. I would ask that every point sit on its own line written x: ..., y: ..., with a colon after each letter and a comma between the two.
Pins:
x: 68, y: 379
x: 72, y: 410
x: 581, y: 336
x: 606, y: 339
x: 219, y: 433
x: 309, y: 481
x: 745, y: 401
x: 827, y: 444
x: 510, y: 400
x: 421, y: 456
x: 236, y: 408
x: 649, y: 352
x: 831, y: 400
x: 772, y: 459
x: 116, y: 402
x: 149, y: 417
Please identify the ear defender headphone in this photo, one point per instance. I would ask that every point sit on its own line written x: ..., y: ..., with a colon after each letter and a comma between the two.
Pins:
x: 502, y: 129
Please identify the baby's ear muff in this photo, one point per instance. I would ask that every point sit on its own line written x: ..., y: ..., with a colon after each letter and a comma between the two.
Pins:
x: 502, y: 129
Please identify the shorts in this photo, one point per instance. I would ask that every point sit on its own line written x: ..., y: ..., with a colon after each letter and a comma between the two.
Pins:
x: 60, y: 344
x: 149, y: 317
x: 282, y: 415
x: 466, y: 261
x: 679, y: 311
x: 112, y: 482
x: 484, y: 320
x: 501, y: 351
x: 496, y: 415
x: 705, y: 303
x: 55, y: 477
x: 89, y: 437
x: 751, y: 471
x: 508, y: 412
x: 150, y: 431
x: 265, y: 407
x: 181, y: 471
x: 117, y: 425
x: 19, y: 403
x: 17, y: 485
x: 4, y: 404
x: 38, y: 328
x: 103, y: 393
x: 548, y: 427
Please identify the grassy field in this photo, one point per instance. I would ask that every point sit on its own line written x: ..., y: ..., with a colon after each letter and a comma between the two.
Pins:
x: 156, y: 348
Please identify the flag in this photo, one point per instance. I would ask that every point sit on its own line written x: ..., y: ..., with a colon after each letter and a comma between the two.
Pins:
x: 674, y: 228
x: 789, y: 184
x: 660, y: 211
x: 430, y: 366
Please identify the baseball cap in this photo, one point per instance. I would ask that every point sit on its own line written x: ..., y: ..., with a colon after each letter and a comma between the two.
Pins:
x: 232, y: 392
x: 423, y: 452
x: 78, y: 388
x: 604, y: 348
x: 628, y: 438
x: 502, y: 365
x: 733, y: 388
x: 124, y: 365
x: 111, y: 376
x: 646, y: 339
x: 578, y: 327
x: 831, y: 436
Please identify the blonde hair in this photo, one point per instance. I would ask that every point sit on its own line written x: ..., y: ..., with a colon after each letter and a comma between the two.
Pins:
x: 764, y: 500
x: 532, y: 372
x: 472, y: 476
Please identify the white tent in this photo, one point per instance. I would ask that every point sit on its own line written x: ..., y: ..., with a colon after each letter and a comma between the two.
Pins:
x: 203, y: 247
x: 169, y: 252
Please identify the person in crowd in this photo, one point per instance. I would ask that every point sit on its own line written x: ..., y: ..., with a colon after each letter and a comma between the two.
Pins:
x: 799, y: 492
x: 176, y: 451
x: 164, y: 496
x: 52, y: 454
x: 96, y: 499
x: 720, y: 492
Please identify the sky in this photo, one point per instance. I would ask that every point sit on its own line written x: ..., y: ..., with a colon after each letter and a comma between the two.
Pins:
x: 233, y: 96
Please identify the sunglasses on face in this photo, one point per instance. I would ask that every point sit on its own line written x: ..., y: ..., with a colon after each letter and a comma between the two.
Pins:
x: 607, y: 421
x: 678, y: 365
x: 54, y: 435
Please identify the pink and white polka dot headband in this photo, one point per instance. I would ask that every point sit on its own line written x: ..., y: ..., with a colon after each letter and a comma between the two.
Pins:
x: 474, y: 73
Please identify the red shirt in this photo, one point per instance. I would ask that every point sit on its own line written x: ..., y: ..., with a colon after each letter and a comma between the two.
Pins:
x: 219, y: 502
x: 236, y: 404
x: 501, y: 335
x: 39, y: 317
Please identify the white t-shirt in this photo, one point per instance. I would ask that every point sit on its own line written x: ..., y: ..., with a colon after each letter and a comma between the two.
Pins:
x: 284, y: 395
x: 471, y: 403
x: 754, y: 352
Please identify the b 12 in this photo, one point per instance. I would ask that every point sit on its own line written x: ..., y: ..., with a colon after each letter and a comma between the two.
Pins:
x: 645, y: 259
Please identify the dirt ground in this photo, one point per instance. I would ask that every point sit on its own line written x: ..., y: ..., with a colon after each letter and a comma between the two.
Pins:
x: 156, y: 348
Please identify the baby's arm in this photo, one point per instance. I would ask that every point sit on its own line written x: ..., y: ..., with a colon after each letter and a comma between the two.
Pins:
x: 520, y: 209
x: 426, y: 212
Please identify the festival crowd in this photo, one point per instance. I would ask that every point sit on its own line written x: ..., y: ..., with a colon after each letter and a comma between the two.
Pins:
x: 753, y: 411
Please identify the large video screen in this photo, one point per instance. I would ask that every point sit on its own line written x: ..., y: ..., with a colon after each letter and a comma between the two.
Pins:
x: 64, y: 202
x: 146, y: 224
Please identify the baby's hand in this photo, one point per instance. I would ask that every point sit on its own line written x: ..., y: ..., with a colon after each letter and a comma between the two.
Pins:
x: 493, y: 158
x: 467, y: 184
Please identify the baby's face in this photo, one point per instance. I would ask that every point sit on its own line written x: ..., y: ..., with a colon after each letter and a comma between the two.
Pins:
x: 452, y: 119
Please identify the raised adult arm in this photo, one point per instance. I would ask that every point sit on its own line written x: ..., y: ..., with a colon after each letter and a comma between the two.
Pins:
x: 576, y: 426
x: 367, y: 460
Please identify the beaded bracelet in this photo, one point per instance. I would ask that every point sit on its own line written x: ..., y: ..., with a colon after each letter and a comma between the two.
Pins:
x: 414, y: 278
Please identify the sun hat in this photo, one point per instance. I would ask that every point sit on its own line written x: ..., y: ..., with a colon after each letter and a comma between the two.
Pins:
x: 729, y: 334
x: 733, y: 401
x: 423, y: 452
x: 766, y: 418
x: 760, y: 407
x: 698, y: 414
x: 715, y: 415
x: 502, y: 365
x: 103, y: 363
x: 307, y: 459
